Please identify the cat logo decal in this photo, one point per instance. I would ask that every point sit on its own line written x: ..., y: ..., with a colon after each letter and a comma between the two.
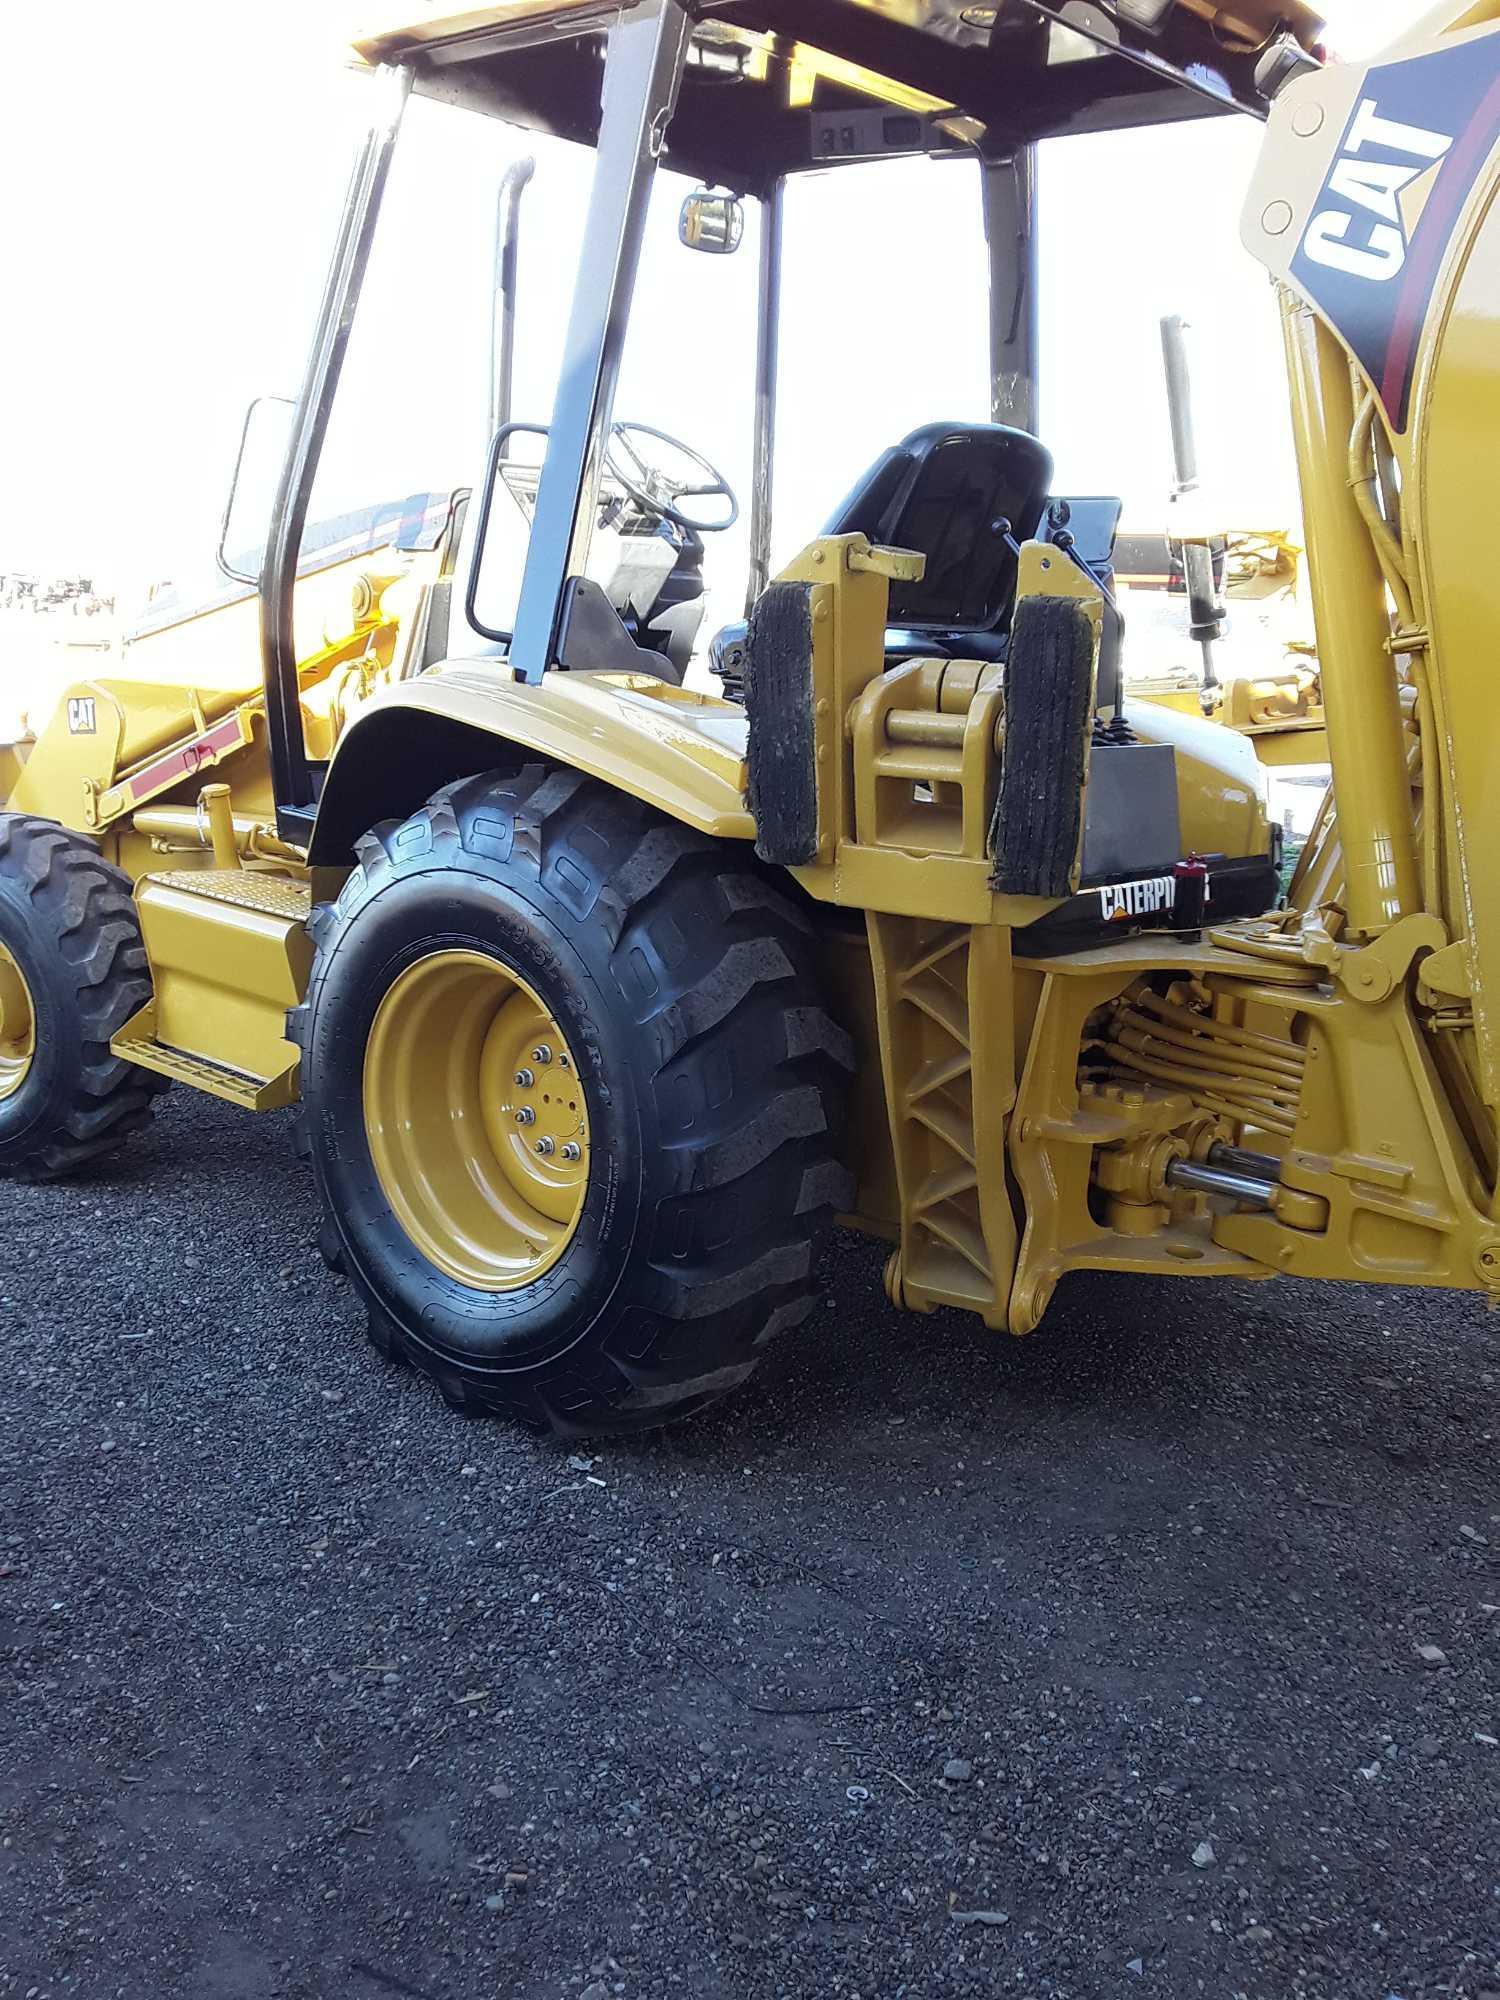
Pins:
x: 1373, y: 197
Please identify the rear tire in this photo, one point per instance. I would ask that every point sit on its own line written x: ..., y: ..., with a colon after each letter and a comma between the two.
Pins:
x: 682, y: 976
x: 68, y: 925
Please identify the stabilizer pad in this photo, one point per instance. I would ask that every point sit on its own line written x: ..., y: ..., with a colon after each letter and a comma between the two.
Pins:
x: 779, y: 701
x: 1049, y: 712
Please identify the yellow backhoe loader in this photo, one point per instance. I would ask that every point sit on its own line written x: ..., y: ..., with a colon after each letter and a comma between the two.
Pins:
x: 601, y: 998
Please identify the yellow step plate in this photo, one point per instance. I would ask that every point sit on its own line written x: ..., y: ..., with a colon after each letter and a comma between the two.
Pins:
x: 250, y: 1093
x: 241, y: 888
x: 229, y: 954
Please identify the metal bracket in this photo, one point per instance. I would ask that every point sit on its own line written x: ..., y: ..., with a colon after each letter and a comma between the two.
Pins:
x: 898, y: 565
x: 1373, y: 973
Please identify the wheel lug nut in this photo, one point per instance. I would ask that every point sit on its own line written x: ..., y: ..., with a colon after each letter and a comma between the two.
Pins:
x: 541, y: 1055
x: 546, y: 1147
x: 525, y: 1078
x: 572, y: 1152
x: 562, y: 1062
x: 526, y: 1116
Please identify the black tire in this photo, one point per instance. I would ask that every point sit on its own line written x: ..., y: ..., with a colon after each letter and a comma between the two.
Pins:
x: 68, y: 919
x: 683, y: 978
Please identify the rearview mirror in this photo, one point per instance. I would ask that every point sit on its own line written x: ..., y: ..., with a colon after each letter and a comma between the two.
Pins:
x: 257, y: 472
x: 712, y: 222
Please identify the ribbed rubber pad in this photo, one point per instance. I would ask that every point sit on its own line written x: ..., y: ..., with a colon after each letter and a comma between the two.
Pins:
x: 1049, y: 707
x: 779, y: 701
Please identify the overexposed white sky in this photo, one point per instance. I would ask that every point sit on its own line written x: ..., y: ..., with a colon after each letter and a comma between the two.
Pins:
x: 175, y: 172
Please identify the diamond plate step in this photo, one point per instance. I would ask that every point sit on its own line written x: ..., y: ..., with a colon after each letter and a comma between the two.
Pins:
x: 251, y: 1093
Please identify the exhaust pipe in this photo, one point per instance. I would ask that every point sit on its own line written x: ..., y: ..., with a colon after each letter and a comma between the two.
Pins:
x: 518, y: 177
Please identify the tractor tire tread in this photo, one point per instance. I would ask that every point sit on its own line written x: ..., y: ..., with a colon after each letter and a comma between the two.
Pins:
x: 85, y: 907
x: 727, y: 1245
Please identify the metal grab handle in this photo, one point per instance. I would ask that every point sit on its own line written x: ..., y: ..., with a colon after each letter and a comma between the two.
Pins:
x: 492, y: 467
x: 221, y: 553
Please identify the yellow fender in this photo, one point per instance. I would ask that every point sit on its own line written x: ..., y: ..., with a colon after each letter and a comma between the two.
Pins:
x: 679, y: 751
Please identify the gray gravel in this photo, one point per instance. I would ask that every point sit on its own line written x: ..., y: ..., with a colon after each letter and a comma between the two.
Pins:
x: 308, y: 1688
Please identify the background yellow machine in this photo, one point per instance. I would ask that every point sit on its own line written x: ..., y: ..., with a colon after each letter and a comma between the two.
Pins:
x: 601, y: 998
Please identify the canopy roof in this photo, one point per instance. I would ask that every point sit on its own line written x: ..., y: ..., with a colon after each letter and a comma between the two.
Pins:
x: 785, y: 86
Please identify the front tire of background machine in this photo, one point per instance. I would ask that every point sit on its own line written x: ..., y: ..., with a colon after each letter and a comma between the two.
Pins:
x: 72, y: 972
x: 681, y: 978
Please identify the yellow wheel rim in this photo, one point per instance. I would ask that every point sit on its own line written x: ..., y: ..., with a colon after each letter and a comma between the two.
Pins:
x: 17, y: 1027
x: 476, y: 1119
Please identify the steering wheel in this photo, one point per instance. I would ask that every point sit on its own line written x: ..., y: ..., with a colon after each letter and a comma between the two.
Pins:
x: 658, y: 490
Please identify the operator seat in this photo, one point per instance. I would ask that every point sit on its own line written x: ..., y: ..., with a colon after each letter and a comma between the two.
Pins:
x: 945, y: 491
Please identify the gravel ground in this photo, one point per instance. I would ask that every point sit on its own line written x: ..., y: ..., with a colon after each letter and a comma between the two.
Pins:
x: 933, y: 1665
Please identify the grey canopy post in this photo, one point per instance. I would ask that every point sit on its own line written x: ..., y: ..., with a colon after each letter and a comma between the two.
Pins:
x: 293, y: 779
x: 647, y: 54
x: 767, y: 374
x: 1010, y: 226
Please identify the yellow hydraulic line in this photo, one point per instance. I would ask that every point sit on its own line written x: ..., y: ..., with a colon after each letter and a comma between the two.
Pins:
x: 1205, y: 1033
x: 1272, y: 1118
x: 1370, y: 778
x: 1163, y: 1066
x: 1362, y: 486
x: 1432, y: 804
x: 185, y: 826
x: 1151, y: 1039
x: 1213, y: 1029
x: 1238, y: 1060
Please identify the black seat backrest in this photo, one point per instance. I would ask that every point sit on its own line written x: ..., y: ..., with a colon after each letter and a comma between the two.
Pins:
x: 942, y: 491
